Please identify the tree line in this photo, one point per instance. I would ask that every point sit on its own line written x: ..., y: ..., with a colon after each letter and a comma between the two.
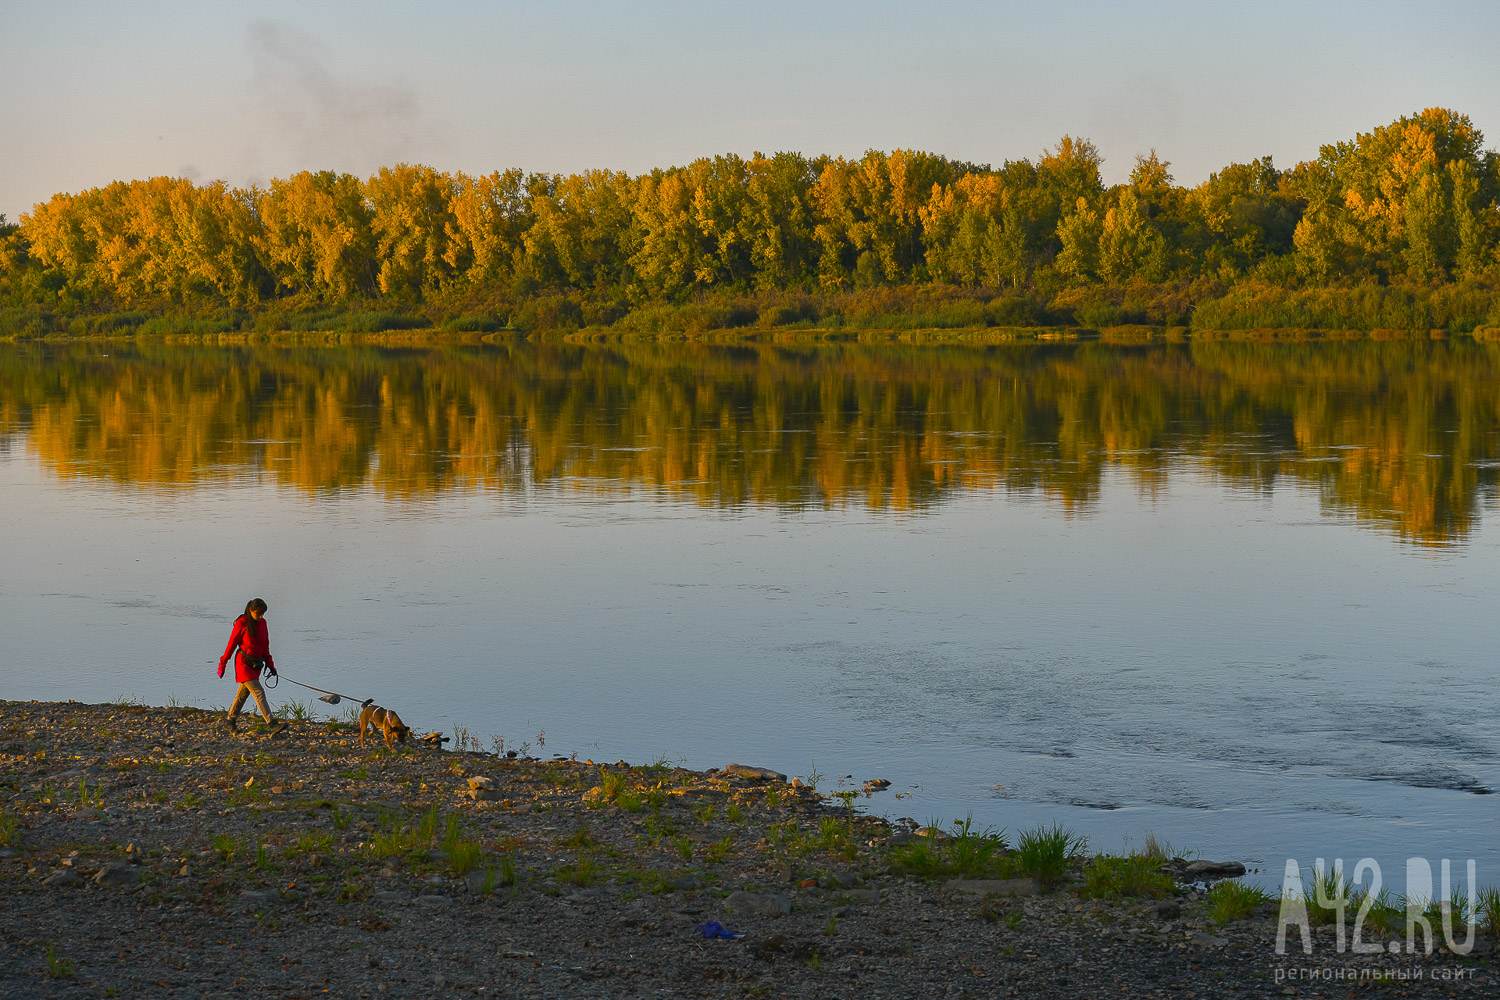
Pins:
x: 1415, y: 203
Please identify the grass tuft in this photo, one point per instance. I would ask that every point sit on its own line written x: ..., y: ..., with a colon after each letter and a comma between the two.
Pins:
x: 8, y: 835
x: 582, y: 872
x: 967, y: 852
x: 58, y: 968
x: 1234, y: 901
x: 1047, y: 852
x: 1133, y: 875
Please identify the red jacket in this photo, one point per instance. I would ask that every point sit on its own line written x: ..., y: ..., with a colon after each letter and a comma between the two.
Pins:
x: 253, y: 639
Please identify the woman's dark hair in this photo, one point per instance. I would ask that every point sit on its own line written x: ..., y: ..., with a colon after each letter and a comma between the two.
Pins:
x: 254, y: 604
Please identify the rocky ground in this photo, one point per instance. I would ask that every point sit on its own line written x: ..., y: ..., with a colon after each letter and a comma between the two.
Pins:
x: 149, y: 852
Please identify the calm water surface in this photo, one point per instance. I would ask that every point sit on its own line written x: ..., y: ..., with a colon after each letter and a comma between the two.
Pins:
x: 1241, y: 596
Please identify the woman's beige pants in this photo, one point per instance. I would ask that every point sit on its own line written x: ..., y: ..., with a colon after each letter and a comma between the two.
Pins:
x: 248, y: 688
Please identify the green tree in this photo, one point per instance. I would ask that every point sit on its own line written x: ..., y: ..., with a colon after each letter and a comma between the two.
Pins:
x: 1079, y: 233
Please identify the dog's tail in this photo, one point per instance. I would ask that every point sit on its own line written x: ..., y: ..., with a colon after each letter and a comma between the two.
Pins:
x: 367, y: 703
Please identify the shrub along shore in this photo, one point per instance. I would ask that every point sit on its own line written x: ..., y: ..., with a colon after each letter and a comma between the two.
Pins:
x: 1179, y: 310
x: 152, y: 852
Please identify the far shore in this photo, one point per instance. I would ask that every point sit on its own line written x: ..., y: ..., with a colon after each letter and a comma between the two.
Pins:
x: 802, y: 336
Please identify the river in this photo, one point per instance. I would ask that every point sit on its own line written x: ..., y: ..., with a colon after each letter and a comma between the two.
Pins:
x: 1240, y: 596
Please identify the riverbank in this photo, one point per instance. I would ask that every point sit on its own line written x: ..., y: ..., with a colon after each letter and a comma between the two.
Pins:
x: 151, y: 852
x: 1135, y: 312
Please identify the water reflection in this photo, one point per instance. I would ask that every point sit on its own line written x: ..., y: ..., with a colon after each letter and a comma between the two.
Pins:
x: 1400, y: 435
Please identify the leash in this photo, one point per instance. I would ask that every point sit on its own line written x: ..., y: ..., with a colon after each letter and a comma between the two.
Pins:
x: 331, y: 697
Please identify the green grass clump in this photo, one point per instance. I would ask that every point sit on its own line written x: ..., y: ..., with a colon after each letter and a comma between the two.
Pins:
x: 1131, y: 876
x: 1233, y: 901
x: 1487, y: 911
x: 1047, y: 852
x: 463, y: 855
x: 8, y: 835
x: 310, y: 842
x: 837, y: 838
x: 720, y: 849
x: 58, y: 968
x: 581, y: 838
x: 1329, y: 896
x: 226, y: 846
x: 413, y: 839
x: 966, y: 852
x: 582, y: 872
x: 612, y: 783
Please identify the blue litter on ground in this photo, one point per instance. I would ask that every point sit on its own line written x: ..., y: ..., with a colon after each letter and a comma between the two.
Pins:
x: 714, y: 929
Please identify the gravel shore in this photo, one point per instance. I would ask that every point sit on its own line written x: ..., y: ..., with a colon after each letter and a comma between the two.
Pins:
x: 150, y: 852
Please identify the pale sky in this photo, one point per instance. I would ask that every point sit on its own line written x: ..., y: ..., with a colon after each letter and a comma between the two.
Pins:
x: 96, y: 91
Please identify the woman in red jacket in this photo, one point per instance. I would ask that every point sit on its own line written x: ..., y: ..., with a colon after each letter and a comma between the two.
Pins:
x: 254, y: 642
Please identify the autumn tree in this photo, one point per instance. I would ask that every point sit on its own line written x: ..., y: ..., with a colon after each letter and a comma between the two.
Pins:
x: 316, y: 234
x: 486, y: 229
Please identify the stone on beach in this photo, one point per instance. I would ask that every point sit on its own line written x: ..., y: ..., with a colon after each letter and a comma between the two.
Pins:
x: 764, y: 904
x: 118, y: 873
x: 750, y: 773
x: 1214, y: 869
x: 995, y: 886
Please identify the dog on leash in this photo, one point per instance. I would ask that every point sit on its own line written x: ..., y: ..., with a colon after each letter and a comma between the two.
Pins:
x: 384, y: 720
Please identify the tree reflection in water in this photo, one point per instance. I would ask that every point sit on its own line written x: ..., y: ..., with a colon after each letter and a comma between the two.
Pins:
x: 1402, y: 435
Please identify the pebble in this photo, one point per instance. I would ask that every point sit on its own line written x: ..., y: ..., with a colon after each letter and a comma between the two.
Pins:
x: 686, y: 883
x: 63, y: 876
x: 434, y: 901
x: 258, y: 897
x: 391, y: 896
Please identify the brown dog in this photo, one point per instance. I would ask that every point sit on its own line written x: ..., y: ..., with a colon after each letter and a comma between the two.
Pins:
x: 385, y: 720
